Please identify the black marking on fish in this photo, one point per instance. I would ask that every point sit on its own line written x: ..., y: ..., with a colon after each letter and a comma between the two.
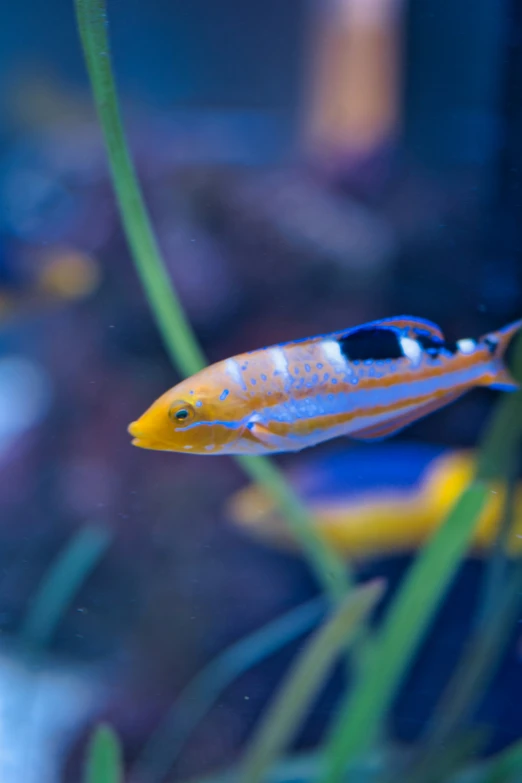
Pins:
x: 433, y: 347
x: 371, y: 344
x: 450, y: 347
x: 491, y: 344
x: 430, y: 344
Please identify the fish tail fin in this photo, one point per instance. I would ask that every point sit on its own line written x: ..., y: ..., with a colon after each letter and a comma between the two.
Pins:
x: 500, y: 345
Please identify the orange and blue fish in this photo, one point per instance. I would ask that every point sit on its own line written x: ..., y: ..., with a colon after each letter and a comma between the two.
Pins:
x: 366, y: 382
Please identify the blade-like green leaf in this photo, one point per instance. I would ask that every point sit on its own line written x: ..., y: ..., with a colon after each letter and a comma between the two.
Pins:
x: 304, y: 768
x: 175, y: 330
x: 421, y: 594
x: 163, y: 748
x: 472, y: 676
x: 283, y: 717
x: 506, y: 767
x: 61, y: 583
x: 104, y: 758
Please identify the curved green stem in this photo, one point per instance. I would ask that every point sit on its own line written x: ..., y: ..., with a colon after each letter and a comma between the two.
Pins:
x: 60, y: 584
x: 201, y: 693
x: 178, y: 337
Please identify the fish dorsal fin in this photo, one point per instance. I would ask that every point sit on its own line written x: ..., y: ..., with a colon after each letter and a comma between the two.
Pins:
x: 411, y: 326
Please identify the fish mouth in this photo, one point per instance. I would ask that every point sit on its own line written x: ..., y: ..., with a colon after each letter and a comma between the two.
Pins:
x: 141, y: 441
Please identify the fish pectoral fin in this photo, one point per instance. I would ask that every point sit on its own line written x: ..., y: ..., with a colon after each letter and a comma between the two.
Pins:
x: 380, y: 431
x: 270, y: 440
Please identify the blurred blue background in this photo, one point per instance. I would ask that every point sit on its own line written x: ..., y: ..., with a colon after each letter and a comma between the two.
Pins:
x: 308, y: 166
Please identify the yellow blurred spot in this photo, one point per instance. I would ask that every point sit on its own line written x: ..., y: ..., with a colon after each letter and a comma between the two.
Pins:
x: 68, y: 274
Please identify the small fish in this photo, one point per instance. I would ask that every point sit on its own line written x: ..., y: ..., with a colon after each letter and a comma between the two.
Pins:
x: 376, y: 503
x: 367, y: 382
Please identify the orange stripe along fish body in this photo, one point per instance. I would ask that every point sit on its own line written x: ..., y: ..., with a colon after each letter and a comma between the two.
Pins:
x: 367, y: 382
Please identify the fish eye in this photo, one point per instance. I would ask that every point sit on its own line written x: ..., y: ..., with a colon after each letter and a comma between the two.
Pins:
x: 181, y: 412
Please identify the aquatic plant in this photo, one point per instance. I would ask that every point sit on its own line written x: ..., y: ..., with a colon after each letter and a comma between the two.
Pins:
x: 103, y: 762
x: 358, y: 726
x: 178, y: 337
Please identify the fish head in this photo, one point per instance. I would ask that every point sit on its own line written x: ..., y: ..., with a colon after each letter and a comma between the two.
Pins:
x: 200, y: 415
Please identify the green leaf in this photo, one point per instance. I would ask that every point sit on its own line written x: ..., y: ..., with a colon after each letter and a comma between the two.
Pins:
x: 104, y: 758
x: 60, y: 584
x: 363, y: 709
x: 163, y: 748
x: 179, y: 338
x: 289, y: 707
x: 303, y: 768
x: 476, y: 668
x: 330, y: 571
x: 506, y: 767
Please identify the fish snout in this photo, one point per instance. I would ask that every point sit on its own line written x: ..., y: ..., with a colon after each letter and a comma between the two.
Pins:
x: 139, y: 436
x: 134, y: 430
x: 147, y: 437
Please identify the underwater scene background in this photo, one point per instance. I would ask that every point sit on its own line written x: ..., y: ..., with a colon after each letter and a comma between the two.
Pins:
x: 308, y: 167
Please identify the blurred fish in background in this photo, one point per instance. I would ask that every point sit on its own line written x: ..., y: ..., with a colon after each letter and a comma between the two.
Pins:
x: 383, y: 501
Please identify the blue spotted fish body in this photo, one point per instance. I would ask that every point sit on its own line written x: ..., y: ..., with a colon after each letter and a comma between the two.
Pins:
x: 367, y: 383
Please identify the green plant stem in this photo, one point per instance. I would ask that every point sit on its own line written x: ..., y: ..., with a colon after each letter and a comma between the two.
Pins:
x: 289, y: 707
x: 403, y: 629
x: 60, y: 584
x: 506, y: 767
x: 478, y: 663
x: 332, y: 571
x: 498, y: 561
x: 363, y: 710
x: 198, y: 697
x: 472, y: 676
x: 177, y: 335
x: 104, y: 762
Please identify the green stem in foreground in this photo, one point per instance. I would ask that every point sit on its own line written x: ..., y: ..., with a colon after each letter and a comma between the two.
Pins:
x: 289, y: 707
x: 178, y: 337
x: 329, y: 569
x: 60, y: 584
x: 363, y: 709
x: 104, y: 757
x: 421, y: 593
x: 201, y: 694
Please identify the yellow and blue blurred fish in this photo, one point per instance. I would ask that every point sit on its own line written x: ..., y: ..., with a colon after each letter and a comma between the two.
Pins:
x: 383, y: 502
x: 367, y: 382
